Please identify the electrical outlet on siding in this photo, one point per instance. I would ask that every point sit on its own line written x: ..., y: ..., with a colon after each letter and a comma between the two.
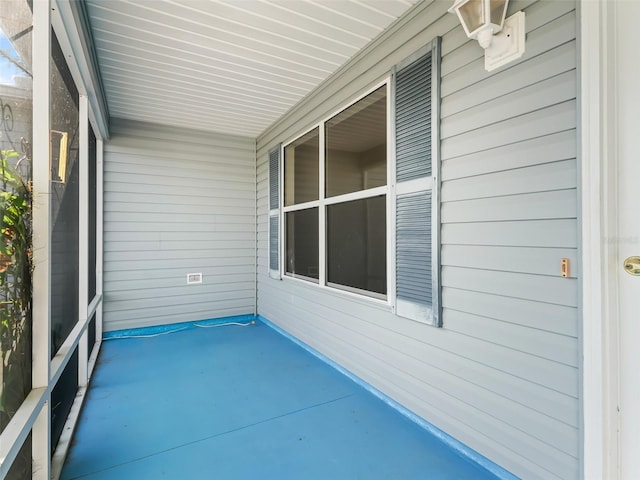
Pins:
x: 194, y: 278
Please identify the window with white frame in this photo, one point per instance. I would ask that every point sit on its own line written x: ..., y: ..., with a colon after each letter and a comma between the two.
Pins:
x: 360, y: 194
x: 335, y: 199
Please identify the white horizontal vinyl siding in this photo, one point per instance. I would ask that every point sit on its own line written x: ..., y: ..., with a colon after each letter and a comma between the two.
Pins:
x: 177, y: 202
x: 502, y: 374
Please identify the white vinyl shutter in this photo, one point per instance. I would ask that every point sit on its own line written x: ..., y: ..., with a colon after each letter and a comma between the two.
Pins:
x: 274, y: 212
x: 417, y: 187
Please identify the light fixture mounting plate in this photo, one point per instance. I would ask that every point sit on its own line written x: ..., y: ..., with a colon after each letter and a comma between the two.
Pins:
x: 507, y: 45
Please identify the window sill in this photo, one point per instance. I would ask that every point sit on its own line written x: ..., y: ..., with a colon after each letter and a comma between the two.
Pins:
x: 378, y: 303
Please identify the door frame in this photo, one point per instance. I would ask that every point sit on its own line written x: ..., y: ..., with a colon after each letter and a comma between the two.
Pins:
x: 598, y: 171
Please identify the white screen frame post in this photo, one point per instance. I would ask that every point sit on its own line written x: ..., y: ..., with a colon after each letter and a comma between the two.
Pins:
x: 83, y: 242
x: 41, y: 326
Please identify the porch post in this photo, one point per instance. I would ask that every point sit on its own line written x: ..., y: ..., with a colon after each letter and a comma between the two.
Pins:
x: 598, y: 170
x: 41, y: 327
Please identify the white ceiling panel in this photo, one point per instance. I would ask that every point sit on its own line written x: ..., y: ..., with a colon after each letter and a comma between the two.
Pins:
x: 230, y: 66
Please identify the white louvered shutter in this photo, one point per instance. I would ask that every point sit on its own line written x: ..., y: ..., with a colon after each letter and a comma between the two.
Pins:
x: 274, y: 212
x: 417, y: 187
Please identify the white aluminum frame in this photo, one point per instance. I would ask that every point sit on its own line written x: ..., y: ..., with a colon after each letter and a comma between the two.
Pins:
x: 83, y: 244
x: 34, y: 415
x: 392, y: 194
x: 322, y: 212
x: 87, y: 354
x: 41, y: 323
x: 324, y: 201
x: 99, y: 239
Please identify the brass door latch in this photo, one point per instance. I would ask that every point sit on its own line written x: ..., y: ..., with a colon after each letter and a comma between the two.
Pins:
x: 632, y: 266
x: 564, y: 267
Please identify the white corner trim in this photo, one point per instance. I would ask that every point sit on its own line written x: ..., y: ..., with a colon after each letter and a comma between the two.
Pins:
x: 598, y: 219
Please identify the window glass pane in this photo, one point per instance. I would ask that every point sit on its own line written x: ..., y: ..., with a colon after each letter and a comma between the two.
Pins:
x: 16, y: 135
x: 357, y: 244
x: 64, y: 197
x: 301, y: 169
x: 356, y: 146
x: 302, y: 243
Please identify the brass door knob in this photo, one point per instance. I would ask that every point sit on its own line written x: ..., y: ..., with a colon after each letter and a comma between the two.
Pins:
x: 632, y: 266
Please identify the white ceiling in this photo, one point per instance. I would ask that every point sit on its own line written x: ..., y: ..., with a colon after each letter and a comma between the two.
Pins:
x: 230, y: 66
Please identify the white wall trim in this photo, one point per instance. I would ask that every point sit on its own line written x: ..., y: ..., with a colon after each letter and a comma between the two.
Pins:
x: 600, y: 449
x: 255, y: 224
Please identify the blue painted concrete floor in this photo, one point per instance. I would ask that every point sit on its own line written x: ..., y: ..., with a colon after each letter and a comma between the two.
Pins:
x: 242, y: 403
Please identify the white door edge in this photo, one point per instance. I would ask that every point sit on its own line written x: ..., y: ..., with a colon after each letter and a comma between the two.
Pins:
x: 608, y: 353
x: 595, y: 166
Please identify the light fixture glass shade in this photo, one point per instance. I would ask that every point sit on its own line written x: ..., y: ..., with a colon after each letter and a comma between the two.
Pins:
x: 503, y: 39
x: 498, y: 11
x: 480, y: 16
x: 472, y: 15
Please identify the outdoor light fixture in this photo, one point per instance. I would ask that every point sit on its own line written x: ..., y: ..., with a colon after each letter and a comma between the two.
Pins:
x: 484, y: 20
